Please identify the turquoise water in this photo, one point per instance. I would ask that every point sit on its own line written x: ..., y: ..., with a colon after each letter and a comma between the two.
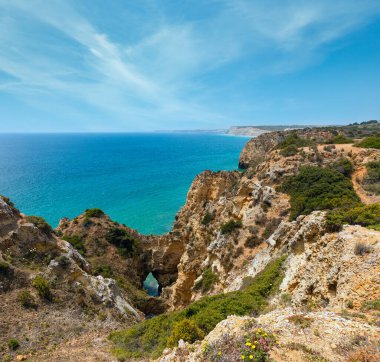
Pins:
x: 140, y: 180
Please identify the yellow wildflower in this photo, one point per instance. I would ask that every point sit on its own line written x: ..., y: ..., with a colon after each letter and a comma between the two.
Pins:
x: 242, y: 356
x: 219, y: 353
x: 250, y: 356
x: 253, y: 347
x: 248, y: 344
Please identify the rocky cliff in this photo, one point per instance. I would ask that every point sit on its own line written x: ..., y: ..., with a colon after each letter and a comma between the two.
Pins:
x: 48, y: 292
x: 233, y: 225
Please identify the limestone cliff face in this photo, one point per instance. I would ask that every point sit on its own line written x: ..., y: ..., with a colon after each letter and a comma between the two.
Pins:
x: 320, y: 312
x: 250, y: 198
x: 105, y: 243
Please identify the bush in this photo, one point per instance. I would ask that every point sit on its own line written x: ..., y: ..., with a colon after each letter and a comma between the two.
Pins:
x: 207, y: 218
x: 230, y: 226
x: 76, y: 242
x: 370, y: 142
x: 63, y: 261
x: 364, y: 215
x: 26, y: 299
x: 187, y: 330
x: 257, y: 344
x: 94, y: 213
x: 344, y: 166
x: 10, y: 204
x: 5, y: 269
x: 103, y: 270
x: 149, y: 338
x: 371, y: 305
x: 329, y: 148
x: 301, y: 321
x: 252, y: 241
x: 43, y: 288
x: 294, y: 141
x: 316, y: 188
x: 125, y: 243
x: 340, y: 139
x: 288, y: 151
x: 371, y: 181
x: 13, y: 344
x: 41, y: 224
x: 361, y: 249
x: 209, y: 278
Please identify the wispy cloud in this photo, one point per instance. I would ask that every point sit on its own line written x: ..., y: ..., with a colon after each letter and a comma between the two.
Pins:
x: 166, y: 73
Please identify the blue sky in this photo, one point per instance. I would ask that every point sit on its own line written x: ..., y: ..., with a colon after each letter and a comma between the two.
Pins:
x: 94, y: 65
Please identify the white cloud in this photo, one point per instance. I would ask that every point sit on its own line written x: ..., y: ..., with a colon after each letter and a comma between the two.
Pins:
x: 161, y: 75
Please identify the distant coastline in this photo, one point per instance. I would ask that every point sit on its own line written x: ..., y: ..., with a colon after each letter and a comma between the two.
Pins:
x: 241, y: 131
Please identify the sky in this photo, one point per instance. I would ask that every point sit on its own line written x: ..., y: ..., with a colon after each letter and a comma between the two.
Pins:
x: 131, y: 66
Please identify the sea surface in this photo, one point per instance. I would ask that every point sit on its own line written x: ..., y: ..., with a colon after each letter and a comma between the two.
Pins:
x: 140, y: 180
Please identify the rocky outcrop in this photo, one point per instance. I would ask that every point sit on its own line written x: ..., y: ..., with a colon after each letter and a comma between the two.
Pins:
x: 323, y: 336
x: 326, y: 307
x: 67, y: 300
x: 250, y: 199
x: 257, y: 149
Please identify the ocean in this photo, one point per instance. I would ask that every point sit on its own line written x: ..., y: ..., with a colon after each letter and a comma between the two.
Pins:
x: 140, y: 180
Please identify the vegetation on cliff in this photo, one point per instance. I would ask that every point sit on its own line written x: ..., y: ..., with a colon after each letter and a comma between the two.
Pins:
x: 364, y: 215
x: 371, y: 181
x: 370, y: 142
x: 316, y: 188
x: 151, y: 337
x: 40, y: 223
x: 294, y: 141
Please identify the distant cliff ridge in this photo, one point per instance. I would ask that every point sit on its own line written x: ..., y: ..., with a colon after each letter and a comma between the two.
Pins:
x: 246, y: 131
x: 249, y: 131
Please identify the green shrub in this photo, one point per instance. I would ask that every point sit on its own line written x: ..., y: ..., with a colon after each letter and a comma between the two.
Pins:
x: 209, y: 278
x: 207, y: 218
x: 63, y: 261
x: 256, y: 345
x: 103, y: 270
x: 329, y: 148
x: 344, y: 166
x: 230, y: 226
x: 187, y: 330
x: 125, y: 243
x: 13, y: 344
x: 370, y: 142
x: 340, y: 139
x: 149, y: 338
x: 76, y: 242
x: 301, y: 321
x: 26, y: 299
x: 43, y: 288
x: 5, y: 269
x: 10, y: 204
x: 361, y: 249
x: 364, y: 215
x: 289, y: 151
x: 295, y: 141
x: 94, y: 213
x: 40, y: 223
x: 316, y: 188
x: 371, y: 181
x: 371, y: 305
